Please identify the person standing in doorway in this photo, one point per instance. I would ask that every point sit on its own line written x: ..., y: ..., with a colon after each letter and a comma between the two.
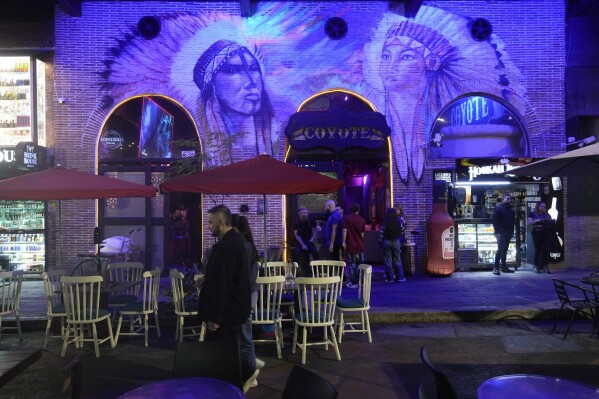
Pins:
x: 225, y: 299
x: 305, y: 232
x: 354, y: 227
x: 504, y: 219
x: 389, y: 241
x: 539, y: 219
x: 333, y: 231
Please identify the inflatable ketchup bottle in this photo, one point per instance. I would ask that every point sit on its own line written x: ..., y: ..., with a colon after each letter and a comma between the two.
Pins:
x: 440, y: 233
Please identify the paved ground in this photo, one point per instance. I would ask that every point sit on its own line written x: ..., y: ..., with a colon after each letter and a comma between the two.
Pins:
x: 511, y: 335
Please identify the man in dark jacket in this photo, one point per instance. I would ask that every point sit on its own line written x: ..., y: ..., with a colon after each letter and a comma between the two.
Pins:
x: 504, y: 219
x: 224, y: 302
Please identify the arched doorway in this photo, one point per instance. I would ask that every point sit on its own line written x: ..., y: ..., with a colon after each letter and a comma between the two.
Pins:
x: 339, y: 133
x: 139, y: 141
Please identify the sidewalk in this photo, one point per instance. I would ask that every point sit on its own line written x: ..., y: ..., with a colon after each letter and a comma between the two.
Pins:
x: 463, y: 296
x: 512, y: 335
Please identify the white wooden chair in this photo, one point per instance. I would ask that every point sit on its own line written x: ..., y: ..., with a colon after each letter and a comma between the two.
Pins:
x: 10, y: 295
x: 184, y: 308
x: 360, y: 304
x: 124, y: 272
x: 316, y: 299
x: 54, y: 303
x: 81, y: 297
x: 268, y: 307
x: 328, y: 268
x: 136, y: 311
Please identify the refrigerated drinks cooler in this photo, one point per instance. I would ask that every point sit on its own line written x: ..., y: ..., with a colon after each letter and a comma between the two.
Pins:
x: 476, y: 245
x: 22, y: 240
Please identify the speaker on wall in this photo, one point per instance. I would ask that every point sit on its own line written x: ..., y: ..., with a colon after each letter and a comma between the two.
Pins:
x: 149, y: 27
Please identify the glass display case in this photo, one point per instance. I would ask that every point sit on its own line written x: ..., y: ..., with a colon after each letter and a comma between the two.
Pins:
x: 22, y: 240
x: 476, y: 245
x: 15, y: 100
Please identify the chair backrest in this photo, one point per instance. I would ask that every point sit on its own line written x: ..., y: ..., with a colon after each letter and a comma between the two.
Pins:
x: 327, y: 268
x: 81, y: 296
x: 280, y: 269
x: 126, y: 271
x: 365, y: 283
x: 316, y: 299
x: 151, y: 288
x: 177, y: 279
x: 211, y: 359
x: 52, y: 287
x: 303, y: 383
x: 73, y: 376
x: 268, y: 305
x: 444, y: 388
x: 560, y: 289
x: 10, y: 291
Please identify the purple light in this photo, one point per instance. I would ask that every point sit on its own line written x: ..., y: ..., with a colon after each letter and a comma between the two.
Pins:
x: 364, y: 180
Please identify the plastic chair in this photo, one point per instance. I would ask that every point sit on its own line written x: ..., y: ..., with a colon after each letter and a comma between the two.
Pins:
x: 55, y: 307
x: 124, y: 272
x: 73, y: 376
x: 303, y: 384
x: 328, y: 268
x: 210, y: 359
x: 316, y: 299
x: 143, y: 309
x: 10, y: 295
x: 584, y: 301
x: 360, y: 304
x: 268, y: 307
x: 81, y: 296
x: 183, y: 308
x: 443, y: 385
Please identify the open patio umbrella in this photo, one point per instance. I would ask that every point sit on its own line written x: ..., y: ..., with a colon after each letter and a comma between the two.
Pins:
x: 59, y: 183
x: 259, y: 175
x: 583, y: 161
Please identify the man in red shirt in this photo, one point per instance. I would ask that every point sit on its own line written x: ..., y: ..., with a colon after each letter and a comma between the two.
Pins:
x: 353, y: 242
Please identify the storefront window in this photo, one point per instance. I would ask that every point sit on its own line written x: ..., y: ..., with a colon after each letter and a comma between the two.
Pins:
x: 145, y: 127
x: 478, y: 126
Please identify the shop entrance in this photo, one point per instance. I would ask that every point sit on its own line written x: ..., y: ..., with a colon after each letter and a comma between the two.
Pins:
x: 356, y: 152
x: 140, y: 140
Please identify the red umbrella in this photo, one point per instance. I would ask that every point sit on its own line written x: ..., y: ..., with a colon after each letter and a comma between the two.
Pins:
x: 259, y: 175
x: 59, y: 183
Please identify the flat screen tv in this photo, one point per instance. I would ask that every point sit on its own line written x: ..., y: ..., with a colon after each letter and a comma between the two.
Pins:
x: 156, y: 131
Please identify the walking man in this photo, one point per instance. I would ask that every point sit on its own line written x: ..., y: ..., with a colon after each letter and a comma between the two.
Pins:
x: 224, y: 302
x: 504, y: 219
x: 354, y: 226
x: 305, y: 231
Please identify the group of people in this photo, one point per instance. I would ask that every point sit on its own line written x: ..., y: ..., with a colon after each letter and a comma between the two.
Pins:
x: 542, y: 231
x: 344, y: 240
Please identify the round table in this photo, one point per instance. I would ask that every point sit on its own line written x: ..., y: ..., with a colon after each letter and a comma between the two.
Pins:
x: 534, y: 387
x: 590, y: 280
x: 186, y: 388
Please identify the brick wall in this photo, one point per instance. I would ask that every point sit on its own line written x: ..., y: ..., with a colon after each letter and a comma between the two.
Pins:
x: 535, y: 45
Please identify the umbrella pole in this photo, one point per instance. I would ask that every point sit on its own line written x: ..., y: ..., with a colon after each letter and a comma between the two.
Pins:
x: 264, y: 217
x: 60, y: 233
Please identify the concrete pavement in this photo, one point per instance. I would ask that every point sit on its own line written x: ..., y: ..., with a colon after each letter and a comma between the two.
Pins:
x: 512, y: 335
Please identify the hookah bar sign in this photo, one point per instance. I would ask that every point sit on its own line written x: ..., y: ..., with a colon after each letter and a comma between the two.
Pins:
x: 336, y: 130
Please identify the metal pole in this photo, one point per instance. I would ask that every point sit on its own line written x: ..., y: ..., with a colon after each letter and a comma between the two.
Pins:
x: 264, y: 214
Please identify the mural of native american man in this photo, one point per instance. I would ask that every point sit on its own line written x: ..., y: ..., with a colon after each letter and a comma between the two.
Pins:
x: 244, y: 77
x: 424, y: 63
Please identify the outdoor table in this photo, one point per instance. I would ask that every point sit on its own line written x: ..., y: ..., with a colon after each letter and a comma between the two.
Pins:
x: 534, y: 387
x: 186, y: 388
x: 14, y: 361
